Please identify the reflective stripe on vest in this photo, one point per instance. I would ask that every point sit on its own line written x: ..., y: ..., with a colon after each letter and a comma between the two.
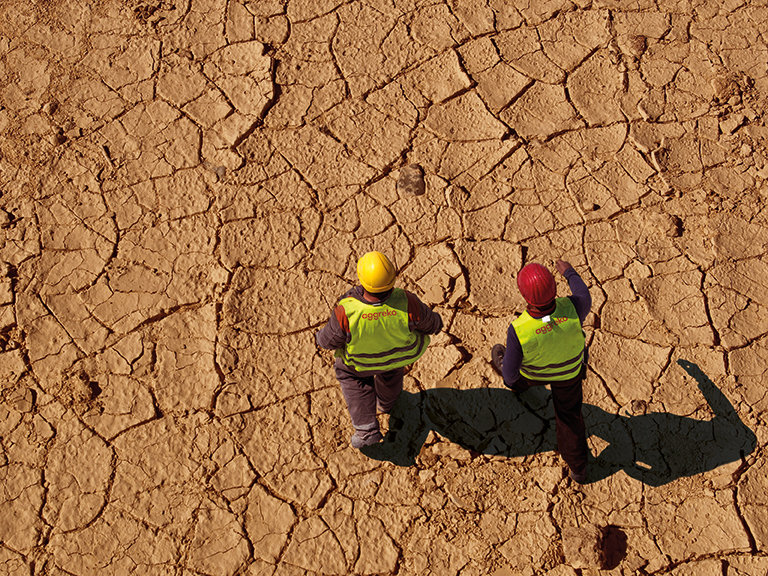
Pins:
x: 553, y: 346
x: 380, y: 337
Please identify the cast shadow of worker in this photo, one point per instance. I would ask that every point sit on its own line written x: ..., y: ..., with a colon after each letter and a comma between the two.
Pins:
x: 654, y: 448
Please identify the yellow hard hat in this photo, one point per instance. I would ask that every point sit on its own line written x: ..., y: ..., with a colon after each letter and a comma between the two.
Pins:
x: 375, y: 272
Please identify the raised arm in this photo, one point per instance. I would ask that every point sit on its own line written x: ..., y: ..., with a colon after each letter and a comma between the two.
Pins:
x: 580, y: 296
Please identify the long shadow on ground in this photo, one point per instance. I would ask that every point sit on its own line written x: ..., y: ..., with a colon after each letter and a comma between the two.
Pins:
x: 654, y: 448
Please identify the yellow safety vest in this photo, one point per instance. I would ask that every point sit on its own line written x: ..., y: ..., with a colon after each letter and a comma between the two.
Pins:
x: 553, y: 346
x: 381, y: 339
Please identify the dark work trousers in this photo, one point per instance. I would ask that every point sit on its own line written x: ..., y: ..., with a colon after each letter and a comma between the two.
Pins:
x: 567, y: 397
x: 362, y: 393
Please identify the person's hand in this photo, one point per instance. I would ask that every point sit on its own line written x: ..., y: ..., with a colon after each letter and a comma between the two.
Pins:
x: 562, y: 266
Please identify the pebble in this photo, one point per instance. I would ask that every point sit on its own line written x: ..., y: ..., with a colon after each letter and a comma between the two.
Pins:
x: 25, y: 401
x: 411, y: 180
x: 732, y: 123
x: 58, y: 137
x: 675, y: 228
x: 49, y: 108
x: 638, y: 407
x: 581, y: 546
x: 746, y: 150
x: 638, y: 45
x: 426, y: 475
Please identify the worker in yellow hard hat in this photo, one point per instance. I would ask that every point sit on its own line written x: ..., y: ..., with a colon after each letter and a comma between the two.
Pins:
x: 376, y: 330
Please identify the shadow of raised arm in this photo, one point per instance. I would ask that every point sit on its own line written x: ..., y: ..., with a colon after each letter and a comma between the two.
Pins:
x: 712, y: 394
x: 659, y: 447
x: 654, y: 448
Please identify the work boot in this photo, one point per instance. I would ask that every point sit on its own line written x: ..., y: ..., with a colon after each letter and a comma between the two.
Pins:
x: 361, y: 438
x: 497, y: 357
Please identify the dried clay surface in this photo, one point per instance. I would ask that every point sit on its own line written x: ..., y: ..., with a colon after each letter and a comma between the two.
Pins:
x: 186, y: 187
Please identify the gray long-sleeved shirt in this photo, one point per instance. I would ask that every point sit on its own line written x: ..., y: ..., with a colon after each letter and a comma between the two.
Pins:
x: 334, y: 335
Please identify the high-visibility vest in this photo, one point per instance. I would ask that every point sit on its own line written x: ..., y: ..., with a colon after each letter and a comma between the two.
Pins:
x: 553, y: 346
x: 381, y: 339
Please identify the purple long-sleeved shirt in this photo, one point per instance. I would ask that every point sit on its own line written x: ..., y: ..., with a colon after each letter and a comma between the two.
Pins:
x: 334, y: 335
x: 513, y: 357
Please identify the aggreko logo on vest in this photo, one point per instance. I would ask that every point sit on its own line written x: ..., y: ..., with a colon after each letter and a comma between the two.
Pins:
x: 548, y: 327
x: 377, y: 315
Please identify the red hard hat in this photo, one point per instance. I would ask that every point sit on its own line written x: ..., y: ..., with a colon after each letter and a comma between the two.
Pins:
x: 536, y: 284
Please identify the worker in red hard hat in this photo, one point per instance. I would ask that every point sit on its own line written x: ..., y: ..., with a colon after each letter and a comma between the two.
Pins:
x: 546, y: 346
x: 376, y: 330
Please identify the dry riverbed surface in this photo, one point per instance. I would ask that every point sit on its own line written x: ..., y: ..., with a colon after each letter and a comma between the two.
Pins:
x: 185, y: 188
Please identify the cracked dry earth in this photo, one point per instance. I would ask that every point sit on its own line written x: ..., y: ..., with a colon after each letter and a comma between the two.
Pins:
x: 186, y: 187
